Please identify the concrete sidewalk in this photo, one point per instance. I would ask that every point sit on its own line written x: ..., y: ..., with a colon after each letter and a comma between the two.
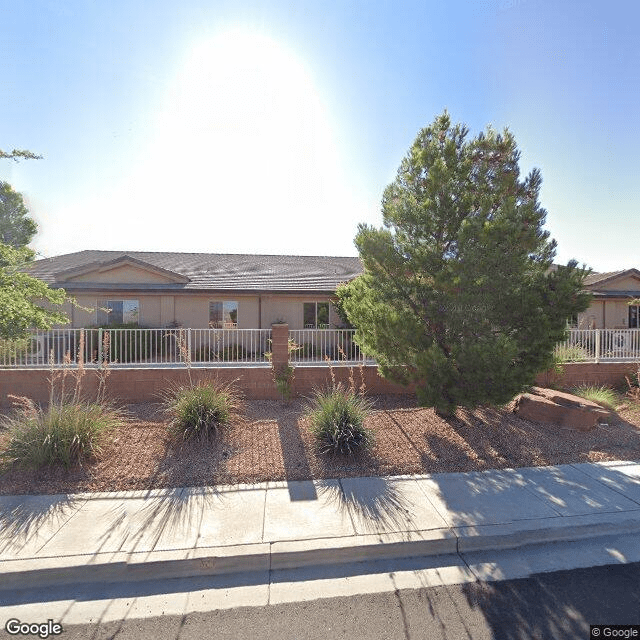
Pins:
x: 191, y: 532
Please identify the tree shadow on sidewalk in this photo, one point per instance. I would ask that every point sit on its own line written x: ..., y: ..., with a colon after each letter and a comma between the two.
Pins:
x: 375, y: 504
x: 33, y: 520
x: 294, y: 455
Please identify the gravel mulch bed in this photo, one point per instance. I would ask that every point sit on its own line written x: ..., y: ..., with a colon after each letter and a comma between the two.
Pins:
x: 272, y: 442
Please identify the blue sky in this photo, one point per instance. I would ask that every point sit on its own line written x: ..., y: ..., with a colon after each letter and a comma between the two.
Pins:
x: 274, y: 126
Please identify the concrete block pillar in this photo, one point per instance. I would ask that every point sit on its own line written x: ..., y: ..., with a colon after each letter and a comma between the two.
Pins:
x: 280, y: 345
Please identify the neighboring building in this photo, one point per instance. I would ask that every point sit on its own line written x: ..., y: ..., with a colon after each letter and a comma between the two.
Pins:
x: 610, y: 308
x: 198, y: 290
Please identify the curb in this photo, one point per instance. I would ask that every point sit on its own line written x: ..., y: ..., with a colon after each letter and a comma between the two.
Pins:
x: 262, y: 557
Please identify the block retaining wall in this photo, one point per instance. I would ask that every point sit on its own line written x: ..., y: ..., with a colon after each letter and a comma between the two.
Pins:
x: 145, y: 385
x: 589, y: 373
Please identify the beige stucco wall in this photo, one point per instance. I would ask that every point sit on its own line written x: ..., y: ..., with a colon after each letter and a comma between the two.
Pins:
x: 84, y: 313
x: 192, y: 309
x: 605, y: 314
x: 592, y: 318
x: 290, y: 309
x: 126, y: 274
x: 610, y: 313
x: 630, y: 283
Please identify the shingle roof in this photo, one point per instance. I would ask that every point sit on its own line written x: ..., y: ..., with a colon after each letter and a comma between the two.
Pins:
x: 214, y: 271
x: 596, y: 278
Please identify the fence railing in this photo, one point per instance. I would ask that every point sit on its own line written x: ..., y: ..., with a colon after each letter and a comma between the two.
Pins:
x: 158, y: 347
x: 600, y: 345
x: 136, y: 347
x: 319, y: 345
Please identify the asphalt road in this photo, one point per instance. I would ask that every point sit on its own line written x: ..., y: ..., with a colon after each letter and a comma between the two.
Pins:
x: 554, y: 606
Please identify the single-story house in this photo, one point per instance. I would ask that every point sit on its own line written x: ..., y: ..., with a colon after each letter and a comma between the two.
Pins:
x: 610, y: 308
x: 198, y: 290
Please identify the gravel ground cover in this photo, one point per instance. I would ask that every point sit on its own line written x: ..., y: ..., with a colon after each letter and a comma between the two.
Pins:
x: 272, y: 442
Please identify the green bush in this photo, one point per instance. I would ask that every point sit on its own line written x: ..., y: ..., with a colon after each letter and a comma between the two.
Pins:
x: 306, y: 350
x: 203, y: 353
x: 232, y: 352
x: 337, y: 421
x: 198, y: 411
x: 573, y: 353
x: 66, y: 433
x: 600, y: 395
x: 13, y: 351
x: 139, y: 344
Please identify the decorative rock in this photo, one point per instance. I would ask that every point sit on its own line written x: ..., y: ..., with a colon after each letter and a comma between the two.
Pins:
x: 561, y: 409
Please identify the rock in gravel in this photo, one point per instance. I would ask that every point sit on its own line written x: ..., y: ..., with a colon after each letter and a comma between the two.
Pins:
x: 561, y: 409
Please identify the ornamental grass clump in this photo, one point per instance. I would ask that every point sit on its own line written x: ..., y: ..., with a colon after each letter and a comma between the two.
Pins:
x: 71, y: 429
x: 337, y: 421
x: 198, y: 411
x: 66, y: 433
x: 602, y: 395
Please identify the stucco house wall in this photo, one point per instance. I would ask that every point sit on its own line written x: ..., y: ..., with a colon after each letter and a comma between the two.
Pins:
x: 612, y: 293
x: 177, y: 289
x: 193, y: 310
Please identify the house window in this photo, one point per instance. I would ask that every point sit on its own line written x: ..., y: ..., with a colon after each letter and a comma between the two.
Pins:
x: 118, y: 312
x: 634, y: 316
x: 316, y: 315
x: 223, y: 314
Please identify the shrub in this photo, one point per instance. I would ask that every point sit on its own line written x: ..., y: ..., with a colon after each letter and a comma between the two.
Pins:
x: 600, y: 395
x: 12, y: 351
x: 66, y: 433
x: 283, y: 378
x: 134, y: 343
x: 232, y: 352
x: 203, y: 353
x: 337, y: 420
x: 573, y: 353
x: 306, y: 350
x: 633, y: 386
x: 285, y: 374
x: 198, y: 411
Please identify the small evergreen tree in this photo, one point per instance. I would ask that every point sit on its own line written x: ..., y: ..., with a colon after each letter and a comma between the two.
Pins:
x: 459, y: 292
x: 21, y: 296
x: 17, y: 228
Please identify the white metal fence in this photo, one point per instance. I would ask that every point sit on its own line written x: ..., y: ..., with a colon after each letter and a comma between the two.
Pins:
x: 136, y: 347
x: 600, y: 345
x: 162, y: 347
x: 314, y: 346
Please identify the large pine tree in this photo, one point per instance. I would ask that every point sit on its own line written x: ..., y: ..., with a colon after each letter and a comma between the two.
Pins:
x: 459, y: 293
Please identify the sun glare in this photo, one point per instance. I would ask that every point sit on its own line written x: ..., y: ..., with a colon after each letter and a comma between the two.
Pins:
x: 243, y: 148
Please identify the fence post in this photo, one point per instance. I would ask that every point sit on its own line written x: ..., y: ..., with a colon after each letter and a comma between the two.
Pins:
x: 279, y: 345
x: 189, y: 343
x: 597, y: 346
x: 99, y: 347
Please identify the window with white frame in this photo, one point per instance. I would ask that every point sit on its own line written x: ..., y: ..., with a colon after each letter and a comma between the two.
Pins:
x: 316, y: 315
x: 634, y: 316
x: 223, y: 314
x: 118, y: 312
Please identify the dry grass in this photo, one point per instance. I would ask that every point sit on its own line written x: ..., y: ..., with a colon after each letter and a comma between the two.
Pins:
x: 273, y: 442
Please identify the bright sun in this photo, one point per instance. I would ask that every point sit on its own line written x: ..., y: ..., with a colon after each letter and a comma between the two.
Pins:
x: 242, y: 158
x: 244, y: 137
